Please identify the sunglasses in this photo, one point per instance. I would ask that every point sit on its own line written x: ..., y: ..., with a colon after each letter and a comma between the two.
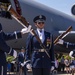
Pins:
x: 40, y: 22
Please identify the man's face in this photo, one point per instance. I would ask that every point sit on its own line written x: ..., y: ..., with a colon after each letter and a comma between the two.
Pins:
x: 22, y: 50
x: 40, y: 25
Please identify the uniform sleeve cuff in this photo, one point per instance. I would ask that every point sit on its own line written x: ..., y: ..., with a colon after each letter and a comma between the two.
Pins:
x: 18, y: 35
x: 15, y: 34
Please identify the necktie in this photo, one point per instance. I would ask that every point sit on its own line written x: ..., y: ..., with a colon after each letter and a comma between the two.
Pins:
x: 40, y: 30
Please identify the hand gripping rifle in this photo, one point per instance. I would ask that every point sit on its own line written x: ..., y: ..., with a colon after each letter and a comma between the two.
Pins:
x: 62, y: 35
x: 24, y: 23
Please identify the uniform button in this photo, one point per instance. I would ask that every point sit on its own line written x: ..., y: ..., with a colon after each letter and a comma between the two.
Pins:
x: 42, y: 56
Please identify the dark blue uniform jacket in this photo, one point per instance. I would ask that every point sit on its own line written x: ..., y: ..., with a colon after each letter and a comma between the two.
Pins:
x: 40, y: 59
x: 21, y: 58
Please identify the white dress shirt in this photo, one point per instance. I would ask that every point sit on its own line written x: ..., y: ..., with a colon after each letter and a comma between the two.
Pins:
x: 41, y: 34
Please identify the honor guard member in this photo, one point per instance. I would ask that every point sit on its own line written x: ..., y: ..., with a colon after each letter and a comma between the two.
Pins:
x: 4, y: 48
x: 21, y: 60
x: 68, y: 45
x: 37, y: 59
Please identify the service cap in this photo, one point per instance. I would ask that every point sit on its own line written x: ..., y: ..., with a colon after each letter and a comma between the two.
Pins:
x: 39, y: 18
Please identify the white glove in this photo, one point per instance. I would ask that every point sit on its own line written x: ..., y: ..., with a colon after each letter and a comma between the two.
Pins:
x: 15, y: 54
x: 26, y: 30
x: 29, y: 66
x: 60, y: 42
x: 52, y: 68
x: 22, y: 64
x: 71, y: 54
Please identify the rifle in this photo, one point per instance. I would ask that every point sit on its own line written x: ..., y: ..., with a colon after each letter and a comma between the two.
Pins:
x: 24, y: 23
x: 62, y: 35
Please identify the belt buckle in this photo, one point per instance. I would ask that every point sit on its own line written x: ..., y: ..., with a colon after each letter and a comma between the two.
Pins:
x: 42, y: 50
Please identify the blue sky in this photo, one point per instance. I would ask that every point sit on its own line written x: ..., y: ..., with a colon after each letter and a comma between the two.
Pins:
x: 61, y: 5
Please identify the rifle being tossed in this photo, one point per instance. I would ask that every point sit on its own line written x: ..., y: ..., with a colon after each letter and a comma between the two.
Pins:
x: 19, y: 18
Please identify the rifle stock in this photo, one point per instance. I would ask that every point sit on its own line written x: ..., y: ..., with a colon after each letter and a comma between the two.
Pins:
x: 60, y: 36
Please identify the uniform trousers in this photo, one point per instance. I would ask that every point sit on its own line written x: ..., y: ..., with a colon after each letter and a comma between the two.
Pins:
x: 23, y: 69
x: 3, y: 70
x: 41, y: 71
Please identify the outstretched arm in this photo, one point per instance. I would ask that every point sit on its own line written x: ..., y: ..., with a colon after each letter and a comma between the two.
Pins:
x: 66, y: 44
